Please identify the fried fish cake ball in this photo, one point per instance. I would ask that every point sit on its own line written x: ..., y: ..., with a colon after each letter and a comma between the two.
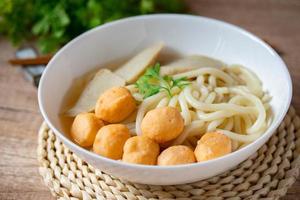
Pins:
x: 176, y: 155
x: 140, y: 150
x: 162, y: 124
x: 212, y: 145
x: 115, y: 104
x: 110, y: 140
x: 84, y: 128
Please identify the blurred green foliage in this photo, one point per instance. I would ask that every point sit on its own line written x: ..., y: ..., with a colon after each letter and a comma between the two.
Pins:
x: 52, y: 23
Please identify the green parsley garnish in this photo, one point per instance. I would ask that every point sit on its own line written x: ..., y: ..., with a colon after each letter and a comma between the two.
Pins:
x: 55, y: 22
x: 152, y: 83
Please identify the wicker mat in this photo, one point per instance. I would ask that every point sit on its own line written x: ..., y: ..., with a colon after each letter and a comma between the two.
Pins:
x: 265, y: 175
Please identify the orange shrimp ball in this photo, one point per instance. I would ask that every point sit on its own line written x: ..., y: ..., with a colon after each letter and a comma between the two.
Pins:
x: 141, y: 150
x: 176, y: 155
x: 162, y: 124
x: 212, y: 145
x: 110, y: 140
x: 115, y: 104
x: 84, y: 128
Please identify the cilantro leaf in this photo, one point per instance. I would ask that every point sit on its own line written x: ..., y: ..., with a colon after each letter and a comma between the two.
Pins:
x: 152, y: 83
x: 181, y: 82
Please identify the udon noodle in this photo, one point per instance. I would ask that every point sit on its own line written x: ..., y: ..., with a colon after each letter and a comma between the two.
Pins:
x: 229, y: 100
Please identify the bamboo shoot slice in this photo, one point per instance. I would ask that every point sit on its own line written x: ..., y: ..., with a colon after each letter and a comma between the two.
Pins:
x: 189, y: 63
x: 131, y: 70
x: 103, y: 80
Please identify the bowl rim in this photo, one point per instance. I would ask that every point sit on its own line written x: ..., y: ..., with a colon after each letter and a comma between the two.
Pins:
x: 235, y: 28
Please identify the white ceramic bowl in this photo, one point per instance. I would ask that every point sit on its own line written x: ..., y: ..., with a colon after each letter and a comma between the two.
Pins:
x: 187, y: 35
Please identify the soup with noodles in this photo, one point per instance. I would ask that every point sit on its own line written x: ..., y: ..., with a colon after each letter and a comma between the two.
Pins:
x: 191, y: 109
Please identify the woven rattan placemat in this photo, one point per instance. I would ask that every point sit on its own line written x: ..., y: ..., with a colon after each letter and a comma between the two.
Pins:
x: 265, y: 175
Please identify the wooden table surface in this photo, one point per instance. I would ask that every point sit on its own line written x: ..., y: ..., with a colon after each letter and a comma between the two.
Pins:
x: 275, y: 20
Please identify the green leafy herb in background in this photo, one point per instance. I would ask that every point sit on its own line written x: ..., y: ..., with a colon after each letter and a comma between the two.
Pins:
x: 54, y: 22
x: 151, y: 82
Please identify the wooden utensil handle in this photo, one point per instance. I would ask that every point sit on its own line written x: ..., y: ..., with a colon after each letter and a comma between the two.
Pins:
x: 40, y: 60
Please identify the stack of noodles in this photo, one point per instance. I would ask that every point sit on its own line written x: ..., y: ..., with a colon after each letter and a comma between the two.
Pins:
x: 228, y: 99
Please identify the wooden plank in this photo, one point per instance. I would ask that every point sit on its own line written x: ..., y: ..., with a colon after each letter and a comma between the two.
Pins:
x: 275, y: 20
x: 19, y: 123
